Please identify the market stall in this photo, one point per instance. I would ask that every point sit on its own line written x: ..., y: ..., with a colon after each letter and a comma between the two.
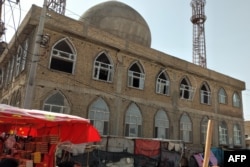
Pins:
x: 32, y: 136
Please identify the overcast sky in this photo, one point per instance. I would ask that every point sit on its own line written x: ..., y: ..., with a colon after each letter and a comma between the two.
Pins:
x: 227, y: 31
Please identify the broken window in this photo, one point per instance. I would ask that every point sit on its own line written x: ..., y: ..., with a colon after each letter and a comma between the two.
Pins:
x: 205, y: 94
x: 186, y: 90
x: 136, y: 76
x: 63, y: 57
x: 103, y: 69
x: 162, y: 84
x: 18, y: 60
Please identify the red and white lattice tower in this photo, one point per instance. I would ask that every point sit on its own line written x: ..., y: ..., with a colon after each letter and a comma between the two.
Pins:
x: 199, y: 44
x: 57, y: 6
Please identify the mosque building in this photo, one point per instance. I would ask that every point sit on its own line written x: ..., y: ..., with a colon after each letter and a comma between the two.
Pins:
x: 102, y: 67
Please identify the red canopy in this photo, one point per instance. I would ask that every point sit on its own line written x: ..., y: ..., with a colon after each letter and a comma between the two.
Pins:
x: 41, y: 123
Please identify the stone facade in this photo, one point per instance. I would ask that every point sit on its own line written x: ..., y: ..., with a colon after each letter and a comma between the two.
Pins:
x: 81, y: 90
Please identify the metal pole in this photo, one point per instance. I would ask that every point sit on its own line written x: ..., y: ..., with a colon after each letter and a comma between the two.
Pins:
x: 34, y: 61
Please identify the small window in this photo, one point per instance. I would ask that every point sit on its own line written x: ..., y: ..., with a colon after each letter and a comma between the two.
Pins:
x: 186, y: 90
x: 205, y: 94
x: 62, y: 57
x: 237, y: 135
x: 222, y: 96
x: 99, y: 116
x: 133, y: 121
x: 162, y: 84
x: 18, y: 60
x: 236, y: 100
x: 136, y: 76
x: 185, y: 128
x: 223, y: 133
x: 56, y: 103
x: 161, y: 125
x: 103, y: 69
x: 25, y: 53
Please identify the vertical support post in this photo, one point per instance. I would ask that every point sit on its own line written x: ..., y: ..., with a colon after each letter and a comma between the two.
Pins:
x: 208, y: 143
x: 34, y: 60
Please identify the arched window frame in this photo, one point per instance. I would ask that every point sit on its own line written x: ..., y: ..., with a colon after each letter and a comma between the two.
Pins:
x: 161, y: 125
x: 136, y: 78
x: 25, y: 54
x: 186, y: 128
x: 237, y: 135
x: 223, y: 133
x: 18, y: 60
x: 103, y: 70
x: 59, y: 59
x: 133, y: 121
x: 53, y: 107
x: 186, y: 89
x: 205, y: 94
x: 163, y: 83
x: 99, y: 116
x: 222, y: 96
x: 236, y: 100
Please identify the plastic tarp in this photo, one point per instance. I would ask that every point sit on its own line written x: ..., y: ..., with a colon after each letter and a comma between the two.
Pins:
x: 41, y: 123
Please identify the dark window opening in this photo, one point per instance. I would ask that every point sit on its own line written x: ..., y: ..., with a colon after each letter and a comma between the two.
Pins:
x: 61, y: 65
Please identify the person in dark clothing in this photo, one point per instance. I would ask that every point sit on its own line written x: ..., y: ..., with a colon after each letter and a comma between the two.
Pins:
x: 68, y: 164
x: 9, y: 162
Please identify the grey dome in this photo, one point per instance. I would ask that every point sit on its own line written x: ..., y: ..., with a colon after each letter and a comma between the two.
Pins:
x: 119, y: 19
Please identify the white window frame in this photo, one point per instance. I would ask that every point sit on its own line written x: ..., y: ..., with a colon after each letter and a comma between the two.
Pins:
x: 63, y: 109
x: 161, y: 84
x: 24, y: 56
x: 186, y: 128
x: 135, y: 75
x: 237, y: 135
x: 133, y: 120
x: 162, y: 124
x: 18, y: 60
x: 100, y: 66
x: 205, y: 94
x: 204, y: 124
x: 190, y: 89
x: 236, y: 100
x: 223, y: 135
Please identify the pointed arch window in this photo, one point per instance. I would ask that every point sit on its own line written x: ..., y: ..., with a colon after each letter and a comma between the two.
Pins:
x: 18, y: 60
x: 56, y: 103
x: 186, y: 90
x: 204, y: 123
x: 205, y: 94
x: 25, y: 53
x: 103, y: 68
x: 223, y: 133
x: 236, y: 100
x: 99, y: 116
x: 136, y: 76
x: 222, y: 96
x: 133, y: 121
x: 185, y: 128
x: 63, y: 57
x: 161, y: 125
x: 237, y: 135
x: 162, y: 84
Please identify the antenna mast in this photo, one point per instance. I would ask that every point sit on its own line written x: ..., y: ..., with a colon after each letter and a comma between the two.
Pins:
x: 57, y: 6
x: 199, y: 44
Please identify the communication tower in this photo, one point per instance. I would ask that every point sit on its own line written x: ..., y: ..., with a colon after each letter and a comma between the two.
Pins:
x: 199, y: 44
x: 57, y: 6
